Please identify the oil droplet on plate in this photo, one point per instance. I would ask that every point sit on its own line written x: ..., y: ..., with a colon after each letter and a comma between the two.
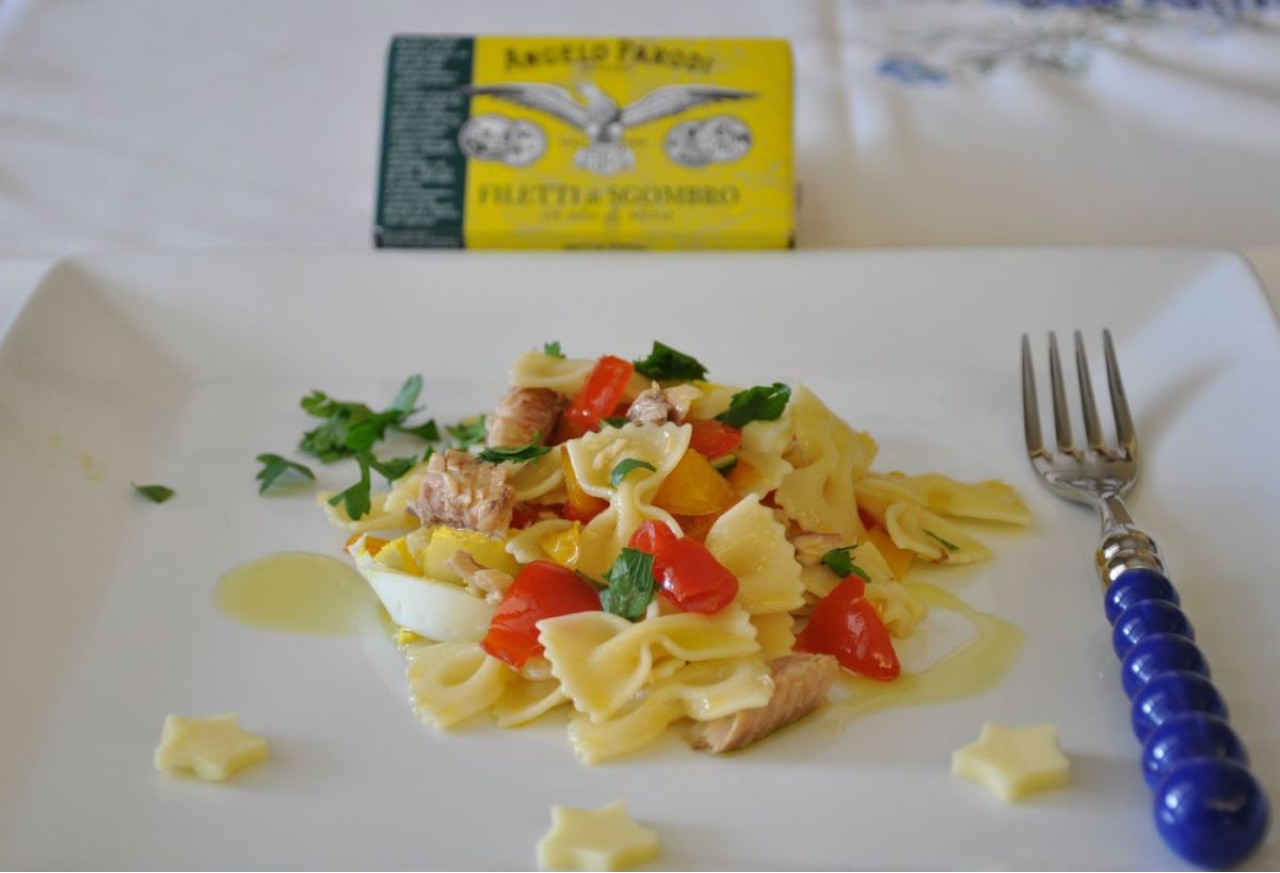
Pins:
x: 297, y: 592
x: 970, y: 669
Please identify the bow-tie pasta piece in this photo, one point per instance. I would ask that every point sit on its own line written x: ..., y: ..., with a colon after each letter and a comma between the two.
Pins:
x: 701, y: 691
x: 715, y: 399
x: 931, y: 536
x: 594, y: 457
x: 899, y: 609
x: 827, y: 455
x: 451, y: 682
x: 991, y: 500
x: 775, y: 631
x: 526, y: 699
x: 603, y: 660
x: 753, y: 546
x: 761, y: 467
x: 819, y: 579
x: 535, y: 369
x: 536, y: 479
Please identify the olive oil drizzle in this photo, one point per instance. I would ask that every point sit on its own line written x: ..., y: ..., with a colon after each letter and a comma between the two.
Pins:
x: 296, y: 592
x: 971, y: 669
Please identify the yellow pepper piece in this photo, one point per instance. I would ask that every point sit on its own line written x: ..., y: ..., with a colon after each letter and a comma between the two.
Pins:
x: 372, y: 545
x: 743, y: 476
x: 448, y: 541
x: 582, y: 502
x: 694, y: 487
x: 564, y: 546
x: 406, y: 558
x: 899, y: 560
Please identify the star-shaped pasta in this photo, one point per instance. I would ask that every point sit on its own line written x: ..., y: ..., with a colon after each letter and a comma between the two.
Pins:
x: 595, y: 839
x: 1013, y: 762
x: 211, y: 748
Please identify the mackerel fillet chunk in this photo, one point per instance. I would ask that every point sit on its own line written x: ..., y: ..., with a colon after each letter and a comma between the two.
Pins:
x: 800, y: 684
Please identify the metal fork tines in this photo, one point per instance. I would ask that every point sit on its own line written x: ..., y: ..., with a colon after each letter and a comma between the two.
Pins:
x: 1096, y: 474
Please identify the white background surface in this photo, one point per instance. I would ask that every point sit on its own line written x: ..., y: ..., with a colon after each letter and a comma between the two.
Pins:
x: 182, y: 125
x: 106, y: 621
x: 142, y: 124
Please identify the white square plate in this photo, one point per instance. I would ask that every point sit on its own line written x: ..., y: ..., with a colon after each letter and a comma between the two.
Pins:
x: 180, y: 369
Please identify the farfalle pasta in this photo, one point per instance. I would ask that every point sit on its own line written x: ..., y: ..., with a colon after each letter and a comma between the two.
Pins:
x: 655, y: 552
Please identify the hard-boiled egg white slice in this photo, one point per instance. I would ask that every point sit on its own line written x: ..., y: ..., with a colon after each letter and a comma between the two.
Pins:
x: 440, y: 611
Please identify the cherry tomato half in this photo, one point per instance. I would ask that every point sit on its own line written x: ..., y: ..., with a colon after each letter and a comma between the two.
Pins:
x: 689, y: 575
x: 846, y: 625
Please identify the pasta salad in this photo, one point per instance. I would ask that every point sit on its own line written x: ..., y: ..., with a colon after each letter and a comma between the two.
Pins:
x: 641, y: 546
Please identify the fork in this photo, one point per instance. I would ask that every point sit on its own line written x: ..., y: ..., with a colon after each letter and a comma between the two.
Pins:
x: 1208, y: 807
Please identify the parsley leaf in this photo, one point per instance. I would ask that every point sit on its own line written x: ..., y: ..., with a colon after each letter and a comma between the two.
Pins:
x: 328, y: 442
x: 428, y: 431
x: 362, y: 435
x: 630, y: 585
x: 534, y: 450
x: 625, y: 466
x: 949, y: 546
x: 154, y: 493
x: 614, y: 421
x: 355, y: 500
x: 553, y: 349
x: 392, y: 468
x: 665, y: 362
x: 467, y: 433
x: 407, y: 396
x: 321, y: 405
x: 274, y: 466
x: 762, y: 403
x: 350, y: 428
x: 841, y: 561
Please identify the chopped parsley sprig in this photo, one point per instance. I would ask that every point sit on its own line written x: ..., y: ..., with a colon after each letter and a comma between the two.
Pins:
x: 350, y: 427
x: 631, y: 585
x: 534, y: 450
x: 467, y: 433
x: 761, y: 403
x: 275, y: 466
x: 949, y: 546
x: 665, y: 362
x: 155, y: 493
x: 841, y: 561
x: 356, y: 498
x: 625, y: 466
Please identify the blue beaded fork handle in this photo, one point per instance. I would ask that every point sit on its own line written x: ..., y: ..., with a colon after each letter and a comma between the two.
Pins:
x: 1208, y: 806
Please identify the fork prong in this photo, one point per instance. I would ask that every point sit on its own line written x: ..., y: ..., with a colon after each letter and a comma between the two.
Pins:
x: 1030, y: 408
x: 1092, y: 427
x: 1061, y: 416
x: 1119, y: 403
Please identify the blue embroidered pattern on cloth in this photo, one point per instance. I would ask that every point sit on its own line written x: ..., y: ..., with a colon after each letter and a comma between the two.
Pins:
x: 1058, y: 35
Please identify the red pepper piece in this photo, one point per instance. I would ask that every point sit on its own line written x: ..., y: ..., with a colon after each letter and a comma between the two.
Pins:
x: 541, y: 590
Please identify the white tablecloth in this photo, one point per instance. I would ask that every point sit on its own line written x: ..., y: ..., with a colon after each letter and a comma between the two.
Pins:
x: 140, y: 125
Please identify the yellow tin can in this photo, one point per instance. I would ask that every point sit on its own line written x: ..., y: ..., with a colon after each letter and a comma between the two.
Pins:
x: 587, y: 142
